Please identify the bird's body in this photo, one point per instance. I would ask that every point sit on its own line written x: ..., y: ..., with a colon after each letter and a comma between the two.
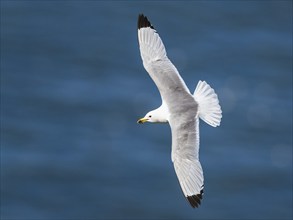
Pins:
x: 180, y: 109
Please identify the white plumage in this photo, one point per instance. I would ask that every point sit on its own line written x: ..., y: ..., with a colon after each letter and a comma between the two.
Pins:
x: 180, y: 109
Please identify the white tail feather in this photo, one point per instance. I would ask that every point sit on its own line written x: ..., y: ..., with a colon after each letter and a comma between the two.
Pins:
x: 209, y: 107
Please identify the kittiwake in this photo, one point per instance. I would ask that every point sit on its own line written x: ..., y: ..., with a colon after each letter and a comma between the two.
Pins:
x: 180, y: 109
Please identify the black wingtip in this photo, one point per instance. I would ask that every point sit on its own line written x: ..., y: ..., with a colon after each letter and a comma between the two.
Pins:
x: 143, y: 22
x: 194, y: 200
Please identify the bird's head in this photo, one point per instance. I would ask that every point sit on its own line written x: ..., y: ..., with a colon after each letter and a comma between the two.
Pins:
x: 149, y: 117
x: 155, y: 116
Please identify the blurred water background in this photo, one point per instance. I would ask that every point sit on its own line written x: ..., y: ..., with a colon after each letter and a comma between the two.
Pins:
x: 73, y: 86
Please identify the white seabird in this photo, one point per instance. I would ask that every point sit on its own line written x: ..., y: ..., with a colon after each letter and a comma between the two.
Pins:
x: 180, y: 109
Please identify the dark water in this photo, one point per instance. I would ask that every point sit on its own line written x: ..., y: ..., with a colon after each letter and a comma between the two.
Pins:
x: 73, y: 86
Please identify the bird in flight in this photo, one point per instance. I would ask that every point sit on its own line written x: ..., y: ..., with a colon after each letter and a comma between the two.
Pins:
x: 180, y: 109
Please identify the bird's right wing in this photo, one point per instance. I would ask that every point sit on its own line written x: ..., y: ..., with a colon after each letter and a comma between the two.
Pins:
x: 185, y: 147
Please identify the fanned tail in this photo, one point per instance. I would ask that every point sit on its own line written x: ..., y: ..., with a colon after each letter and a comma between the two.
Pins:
x: 209, y: 107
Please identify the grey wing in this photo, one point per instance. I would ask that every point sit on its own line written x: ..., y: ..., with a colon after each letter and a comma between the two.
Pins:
x: 185, y: 148
x: 157, y: 64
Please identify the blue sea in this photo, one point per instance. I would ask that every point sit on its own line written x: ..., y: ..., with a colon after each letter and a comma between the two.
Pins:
x: 73, y: 86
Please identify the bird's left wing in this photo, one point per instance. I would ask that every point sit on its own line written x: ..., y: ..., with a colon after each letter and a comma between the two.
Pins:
x: 157, y: 64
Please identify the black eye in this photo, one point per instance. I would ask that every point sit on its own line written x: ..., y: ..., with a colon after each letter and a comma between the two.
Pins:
x: 150, y: 116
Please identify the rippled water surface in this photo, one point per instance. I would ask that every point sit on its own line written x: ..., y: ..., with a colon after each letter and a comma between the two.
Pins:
x: 73, y: 86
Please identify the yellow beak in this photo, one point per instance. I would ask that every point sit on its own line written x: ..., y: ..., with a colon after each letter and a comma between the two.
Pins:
x: 142, y: 120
